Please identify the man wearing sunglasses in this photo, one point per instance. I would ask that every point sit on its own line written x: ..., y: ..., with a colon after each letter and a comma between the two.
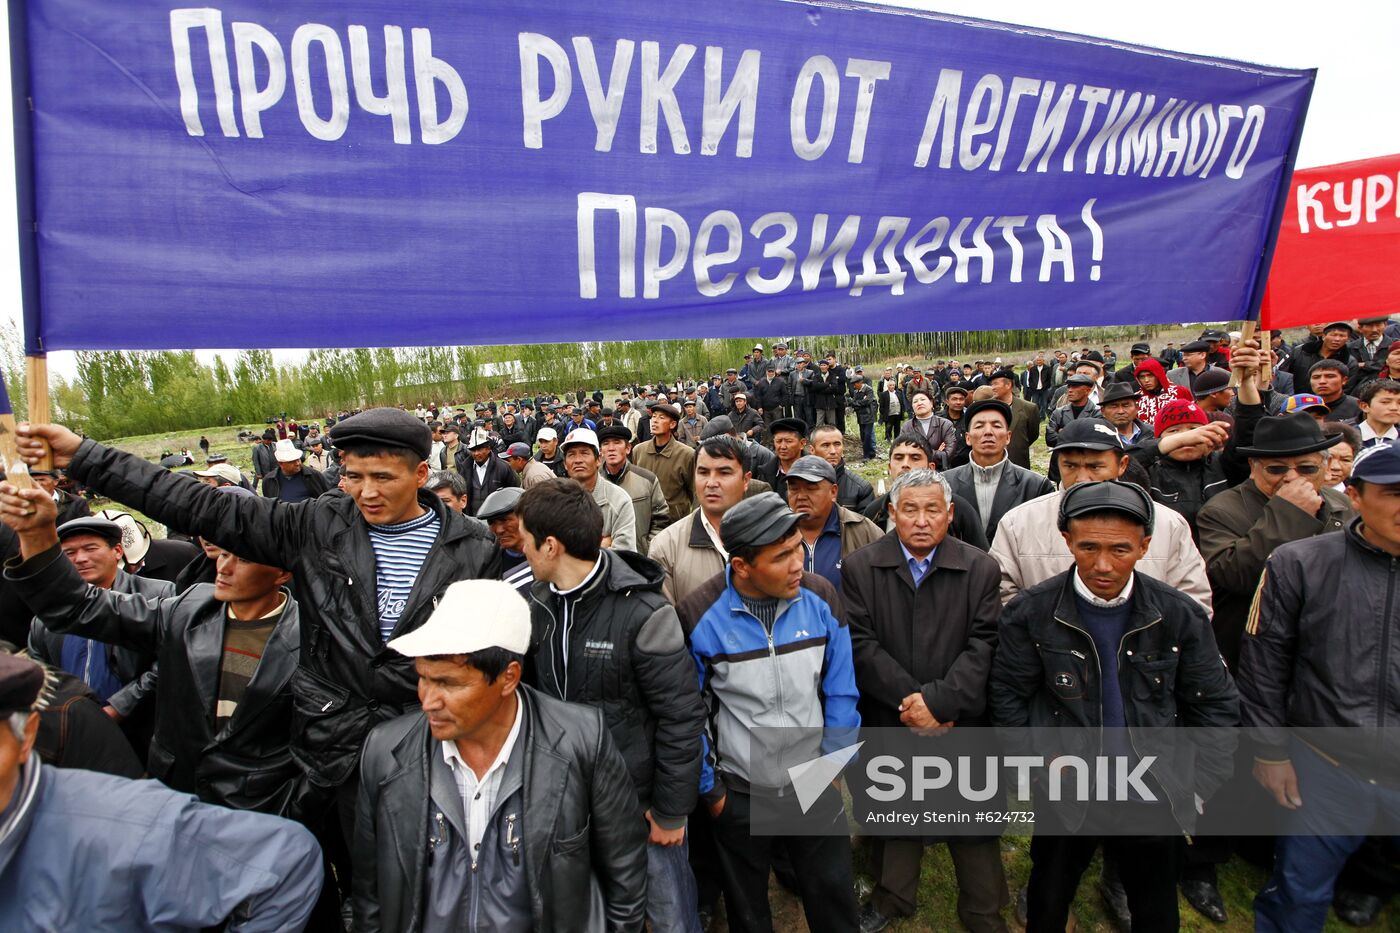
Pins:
x: 1283, y: 500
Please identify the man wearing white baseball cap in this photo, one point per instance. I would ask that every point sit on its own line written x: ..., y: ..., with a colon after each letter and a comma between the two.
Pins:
x: 495, y: 802
x: 291, y: 481
x: 582, y: 460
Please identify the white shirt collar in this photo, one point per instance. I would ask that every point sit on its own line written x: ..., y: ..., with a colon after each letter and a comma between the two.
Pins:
x: 714, y: 535
x: 1368, y: 432
x: 1088, y: 596
x: 455, y: 760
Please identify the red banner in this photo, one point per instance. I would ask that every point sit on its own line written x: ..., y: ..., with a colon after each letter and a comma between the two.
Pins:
x: 1338, y: 254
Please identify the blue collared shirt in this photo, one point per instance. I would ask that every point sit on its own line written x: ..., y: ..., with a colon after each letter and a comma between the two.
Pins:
x: 918, y: 569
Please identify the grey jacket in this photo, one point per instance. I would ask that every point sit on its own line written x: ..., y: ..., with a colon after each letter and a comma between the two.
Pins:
x: 190, y: 864
x: 1017, y: 485
x: 648, y: 501
x: 1064, y: 415
x: 583, y: 840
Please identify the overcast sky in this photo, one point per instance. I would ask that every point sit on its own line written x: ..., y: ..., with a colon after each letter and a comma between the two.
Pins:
x: 1351, y: 42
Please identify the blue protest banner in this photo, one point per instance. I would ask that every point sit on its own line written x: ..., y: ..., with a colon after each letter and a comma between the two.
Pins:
x: 371, y: 173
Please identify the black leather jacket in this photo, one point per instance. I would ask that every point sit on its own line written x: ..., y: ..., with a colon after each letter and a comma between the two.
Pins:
x: 347, y: 681
x: 246, y: 766
x: 1047, y: 674
x: 1321, y: 651
x: 580, y: 815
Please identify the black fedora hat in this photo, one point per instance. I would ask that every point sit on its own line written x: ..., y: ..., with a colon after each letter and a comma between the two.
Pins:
x: 1289, y: 436
x: 1117, y: 391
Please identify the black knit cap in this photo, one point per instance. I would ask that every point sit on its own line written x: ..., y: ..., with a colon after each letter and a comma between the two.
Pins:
x: 384, y: 427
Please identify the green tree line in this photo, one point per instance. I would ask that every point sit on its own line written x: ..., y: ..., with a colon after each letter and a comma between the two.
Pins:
x: 123, y: 393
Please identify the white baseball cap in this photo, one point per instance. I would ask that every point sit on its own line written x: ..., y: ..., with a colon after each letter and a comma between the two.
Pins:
x: 582, y: 436
x: 224, y: 471
x: 547, y: 434
x: 471, y: 616
x: 286, y: 451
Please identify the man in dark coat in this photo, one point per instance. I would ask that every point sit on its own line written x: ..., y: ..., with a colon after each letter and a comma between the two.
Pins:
x: 990, y: 481
x: 264, y: 463
x: 347, y: 681
x: 1104, y: 661
x: 292, y: 480
x: 483, y: 470
x: 226, y: 654
x: 923, y: 611
x: 1025, y: 417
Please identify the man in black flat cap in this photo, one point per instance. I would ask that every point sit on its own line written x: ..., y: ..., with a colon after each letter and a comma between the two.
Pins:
x: 367, y: 565
x: 1077, y: 403
x: 1194, y: 362
x: 641, y: 485
x: 1138, y: 352
x: 1045, y: 676
x: 1025, y: 416
x: 990, y: 481
x: 1326, y: 342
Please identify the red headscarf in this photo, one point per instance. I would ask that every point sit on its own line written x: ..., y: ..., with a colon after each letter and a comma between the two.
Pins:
x: 1151, y: 402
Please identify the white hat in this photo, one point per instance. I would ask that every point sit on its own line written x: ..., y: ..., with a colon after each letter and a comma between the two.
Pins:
x: 478, y: 438
x: 224, y: 471
x: 471, y: 616
x: 286, y: 451
x: 582, y: 436
x: 136, y: 540
x: 547, y: 434
x: 758, y: 346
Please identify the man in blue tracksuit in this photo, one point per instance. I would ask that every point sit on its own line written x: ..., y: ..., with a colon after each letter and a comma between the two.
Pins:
x: 773, y: 656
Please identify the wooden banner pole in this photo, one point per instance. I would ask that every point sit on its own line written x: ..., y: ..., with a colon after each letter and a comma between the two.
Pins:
x: 36, y: 380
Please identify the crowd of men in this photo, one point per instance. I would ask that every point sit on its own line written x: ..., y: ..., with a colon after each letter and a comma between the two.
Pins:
x: 502, y: 669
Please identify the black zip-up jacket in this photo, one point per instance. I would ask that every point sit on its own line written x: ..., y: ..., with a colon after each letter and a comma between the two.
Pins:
x: 247, y: 765
x: 1322, y: 649
x: 347, y: 681
x: 627, y: 656
x: 773, y: 396
x: 1047, y: 674
x: 316, y: 482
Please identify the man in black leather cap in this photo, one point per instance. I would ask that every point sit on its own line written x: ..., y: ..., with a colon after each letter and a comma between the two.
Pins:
x: 368, y: 564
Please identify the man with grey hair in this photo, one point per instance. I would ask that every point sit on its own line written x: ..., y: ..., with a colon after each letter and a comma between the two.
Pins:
x: 450, y: 487
x: 923, y: 643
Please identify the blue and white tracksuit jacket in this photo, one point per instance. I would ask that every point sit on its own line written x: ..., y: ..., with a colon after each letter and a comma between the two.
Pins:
x: 774, y: 699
